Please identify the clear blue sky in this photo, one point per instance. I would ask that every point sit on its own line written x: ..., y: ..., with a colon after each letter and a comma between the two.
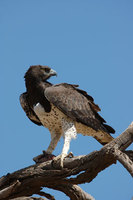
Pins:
x: 87, y: 42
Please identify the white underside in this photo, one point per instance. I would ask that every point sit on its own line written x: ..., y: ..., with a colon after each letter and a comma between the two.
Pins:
x: 61, y: 125
x: 58, y: 125
x: 56, y: 120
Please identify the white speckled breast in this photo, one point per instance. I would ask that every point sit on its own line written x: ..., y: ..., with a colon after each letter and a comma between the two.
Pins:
x: 51, y: 120
x: 54, y: 122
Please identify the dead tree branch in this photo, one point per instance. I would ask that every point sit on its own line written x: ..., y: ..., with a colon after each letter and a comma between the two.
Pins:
x: 28, y: 181
x: 29, y: 198
x: 48, y: 196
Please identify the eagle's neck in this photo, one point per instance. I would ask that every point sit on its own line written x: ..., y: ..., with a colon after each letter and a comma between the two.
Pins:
x: 33, y: 85
x: 35, y: 91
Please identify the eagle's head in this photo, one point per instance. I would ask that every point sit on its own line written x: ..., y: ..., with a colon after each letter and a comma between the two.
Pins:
x: 39, y: 73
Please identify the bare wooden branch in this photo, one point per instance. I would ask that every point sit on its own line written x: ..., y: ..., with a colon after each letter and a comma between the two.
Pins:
x: 118, y: 145
x: 31, y: 180
x: 129, y: 153
x: 48, y: 196
x: 124, y: 160
x: 9, y: 190
x: 29, y: 198
x: 73, y: 191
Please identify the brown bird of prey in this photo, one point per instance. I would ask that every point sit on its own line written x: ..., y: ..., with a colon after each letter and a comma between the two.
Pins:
x: 62, y: 108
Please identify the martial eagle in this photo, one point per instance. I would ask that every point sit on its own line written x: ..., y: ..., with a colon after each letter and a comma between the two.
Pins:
x: 62, y: 108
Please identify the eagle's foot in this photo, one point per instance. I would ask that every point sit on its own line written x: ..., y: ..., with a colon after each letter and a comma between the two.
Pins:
x: 58, y: 161
x: 70, y: 155
x: 43, y: 157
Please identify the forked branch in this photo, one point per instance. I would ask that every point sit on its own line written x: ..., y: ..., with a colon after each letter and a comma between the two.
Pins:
x: 28, y: 181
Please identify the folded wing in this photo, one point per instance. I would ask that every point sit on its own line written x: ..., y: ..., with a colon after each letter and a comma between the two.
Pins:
x: 28, y: 110
x: 77, y: 105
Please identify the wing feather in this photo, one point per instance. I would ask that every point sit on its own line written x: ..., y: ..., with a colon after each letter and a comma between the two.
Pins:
x: 29, y: 112
x: 76, y: 104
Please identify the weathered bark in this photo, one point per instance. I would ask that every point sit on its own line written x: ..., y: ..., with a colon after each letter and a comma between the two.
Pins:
x: 28, y: 181
x: 29, y: 198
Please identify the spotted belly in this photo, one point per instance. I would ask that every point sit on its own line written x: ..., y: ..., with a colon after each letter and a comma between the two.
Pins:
x: 53, y: 121
x: 101, y: 136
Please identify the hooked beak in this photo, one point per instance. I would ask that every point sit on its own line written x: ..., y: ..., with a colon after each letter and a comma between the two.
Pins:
x: 53, y: 72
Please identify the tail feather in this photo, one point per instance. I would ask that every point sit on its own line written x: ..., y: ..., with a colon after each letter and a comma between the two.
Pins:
x: 109, y: 128
x: 104, y: 140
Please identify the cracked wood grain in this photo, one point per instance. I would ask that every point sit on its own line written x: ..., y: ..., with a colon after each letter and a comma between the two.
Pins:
x: 30, y: 180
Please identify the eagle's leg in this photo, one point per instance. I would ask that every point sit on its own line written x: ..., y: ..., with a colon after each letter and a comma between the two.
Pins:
x: 54, y: 140
x: 47, y: 155
x: 69, y: 133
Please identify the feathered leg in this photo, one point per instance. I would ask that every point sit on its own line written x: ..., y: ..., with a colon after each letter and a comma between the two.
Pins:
x: 47, y: 155
x: 54, y: 140
x: 69, y: 132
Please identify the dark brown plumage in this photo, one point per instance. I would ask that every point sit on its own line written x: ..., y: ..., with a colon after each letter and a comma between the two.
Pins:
x: 77, y: 105
x: 63, y: 108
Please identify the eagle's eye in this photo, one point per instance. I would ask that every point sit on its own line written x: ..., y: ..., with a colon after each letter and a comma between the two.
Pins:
x: 47, y: 70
